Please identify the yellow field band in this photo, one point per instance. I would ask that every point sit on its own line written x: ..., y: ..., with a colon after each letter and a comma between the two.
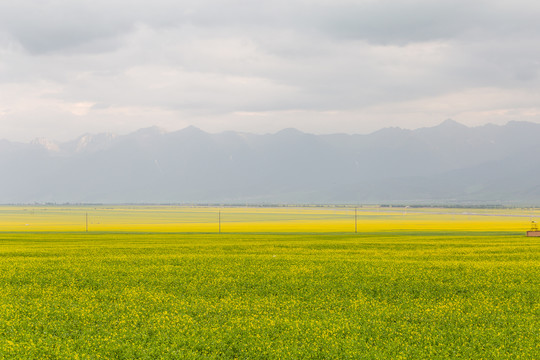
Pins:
x: 259, y: 219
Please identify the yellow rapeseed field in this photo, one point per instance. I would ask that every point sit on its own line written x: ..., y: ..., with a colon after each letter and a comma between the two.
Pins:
x: 259, y: 219
x: 373, y: 295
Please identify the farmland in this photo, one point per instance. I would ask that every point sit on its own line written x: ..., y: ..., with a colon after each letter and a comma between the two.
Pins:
x: 162, y: 282
x: 258, y: 219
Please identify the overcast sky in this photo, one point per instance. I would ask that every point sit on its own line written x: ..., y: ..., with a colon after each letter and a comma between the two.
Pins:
x: 69, y: 67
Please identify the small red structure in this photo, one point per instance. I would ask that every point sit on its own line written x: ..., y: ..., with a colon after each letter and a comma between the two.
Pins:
x: 534, y: 229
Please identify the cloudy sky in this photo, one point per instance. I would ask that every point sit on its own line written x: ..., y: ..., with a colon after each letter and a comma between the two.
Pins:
x: 69, y: 67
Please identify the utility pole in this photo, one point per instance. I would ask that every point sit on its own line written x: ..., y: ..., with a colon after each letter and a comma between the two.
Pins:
x: 219, y: 221
x: 87, y: 222
x: 355, y: 221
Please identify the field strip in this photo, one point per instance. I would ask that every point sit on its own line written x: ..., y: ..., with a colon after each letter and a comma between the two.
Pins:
x: 328, y: 219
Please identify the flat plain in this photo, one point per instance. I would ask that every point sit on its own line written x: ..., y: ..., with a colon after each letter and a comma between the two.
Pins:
x: 409, y: 284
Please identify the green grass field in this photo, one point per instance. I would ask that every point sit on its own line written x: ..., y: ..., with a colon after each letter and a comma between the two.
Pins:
x: 408, y: 294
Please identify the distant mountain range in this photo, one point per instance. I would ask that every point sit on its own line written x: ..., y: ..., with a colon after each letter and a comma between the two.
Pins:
x: 446, y: 164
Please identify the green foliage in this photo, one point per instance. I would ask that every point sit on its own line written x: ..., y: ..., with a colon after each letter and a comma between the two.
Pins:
x: 268, y: 296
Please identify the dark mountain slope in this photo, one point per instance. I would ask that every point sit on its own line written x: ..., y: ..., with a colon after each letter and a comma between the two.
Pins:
x: 449, y: 163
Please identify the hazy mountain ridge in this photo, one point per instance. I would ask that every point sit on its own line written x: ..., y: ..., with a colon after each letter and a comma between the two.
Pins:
x: 448, y: 163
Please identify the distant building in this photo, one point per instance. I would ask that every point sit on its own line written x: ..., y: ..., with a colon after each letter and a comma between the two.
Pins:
x: 534, y: 229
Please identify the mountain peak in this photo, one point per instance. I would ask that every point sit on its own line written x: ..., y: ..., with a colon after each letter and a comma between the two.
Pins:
x: 290, y: 131
x: 149, y: 131
x: 46, y: 144
x: 94, y: 141
x: 192, y: 130
x: 449, y: 123
x: 447, y: 128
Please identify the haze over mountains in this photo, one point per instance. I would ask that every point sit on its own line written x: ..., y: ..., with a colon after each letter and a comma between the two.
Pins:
x: 446, y: 164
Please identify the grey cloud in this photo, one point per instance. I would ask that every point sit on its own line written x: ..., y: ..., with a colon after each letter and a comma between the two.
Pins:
x: 402, y: 22
x: 48, y: 26
x: 45, y: 26
x: 209, y: 57
x: 398, y: 22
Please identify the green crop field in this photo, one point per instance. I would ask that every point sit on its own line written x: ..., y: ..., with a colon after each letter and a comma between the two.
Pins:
x: 408, y: 294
